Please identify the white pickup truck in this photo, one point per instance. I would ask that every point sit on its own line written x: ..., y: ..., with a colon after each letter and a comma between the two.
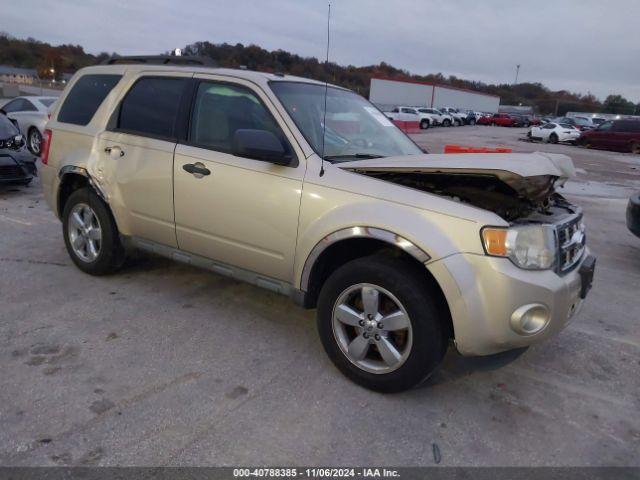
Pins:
x: 413, y: 114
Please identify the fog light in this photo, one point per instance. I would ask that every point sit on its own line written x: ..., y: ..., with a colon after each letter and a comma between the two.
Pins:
x: 530, y: 319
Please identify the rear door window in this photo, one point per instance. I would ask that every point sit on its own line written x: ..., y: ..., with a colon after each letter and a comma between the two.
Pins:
x: 85, y: 97
x: 150, y: 108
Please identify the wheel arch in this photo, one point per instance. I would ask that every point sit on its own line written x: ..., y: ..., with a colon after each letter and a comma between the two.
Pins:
x: 356, y: 242
x: 71, y: 178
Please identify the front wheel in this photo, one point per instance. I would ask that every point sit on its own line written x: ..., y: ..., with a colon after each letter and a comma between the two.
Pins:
x: 90, y: 234
x: 553, y: 138
x: 424, y: 124
x: 472, y: 122
x: 379, y: 323
x: 446, y: 123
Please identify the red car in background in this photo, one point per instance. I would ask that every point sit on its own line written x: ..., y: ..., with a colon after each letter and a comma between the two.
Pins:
x: 484, y: 120
x: 618, y: 135
x: 507, y: 120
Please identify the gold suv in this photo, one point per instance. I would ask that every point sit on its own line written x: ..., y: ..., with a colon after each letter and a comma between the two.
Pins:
x: 309, y: 190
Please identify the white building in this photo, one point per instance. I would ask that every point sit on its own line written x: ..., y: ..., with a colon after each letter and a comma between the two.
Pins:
x: 387, y: 93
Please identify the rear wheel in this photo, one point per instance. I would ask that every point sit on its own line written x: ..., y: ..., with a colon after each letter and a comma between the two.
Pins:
x: 553, y: 138
x: 90, y: 234
x: 424, y: 124
x: 446, y: 122
x: 379, y: 324
x: 34, y: 141
x: 472, y: 122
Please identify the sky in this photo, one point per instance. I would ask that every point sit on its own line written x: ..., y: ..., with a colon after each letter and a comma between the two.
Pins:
x: 577, y: 45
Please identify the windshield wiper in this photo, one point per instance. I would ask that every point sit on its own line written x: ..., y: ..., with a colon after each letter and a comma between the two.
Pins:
x: 353, y: 155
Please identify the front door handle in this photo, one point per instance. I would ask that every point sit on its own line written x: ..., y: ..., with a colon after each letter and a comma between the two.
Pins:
x: 197, y: 169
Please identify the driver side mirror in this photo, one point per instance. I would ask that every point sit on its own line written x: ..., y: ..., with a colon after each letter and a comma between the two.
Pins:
x: 260, y: 145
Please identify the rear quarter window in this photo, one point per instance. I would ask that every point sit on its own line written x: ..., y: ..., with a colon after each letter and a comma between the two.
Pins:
x: 86, y: 95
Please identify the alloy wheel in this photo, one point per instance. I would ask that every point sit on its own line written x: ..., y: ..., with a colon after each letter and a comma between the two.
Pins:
x: 372, y: 328
x: 85, y: 233
x: 35, y: 142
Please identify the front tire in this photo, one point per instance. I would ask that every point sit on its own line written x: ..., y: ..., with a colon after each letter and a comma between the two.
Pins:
x: 379, y: 324
x: 424, y: 124
x: 446, y: 123
x: 472, y: 122
x: 553, y: 138
x: 90, y: 234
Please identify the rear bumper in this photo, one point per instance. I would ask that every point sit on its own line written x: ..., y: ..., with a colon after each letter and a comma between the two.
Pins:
x: 633, y: 215
x: 484, y: 293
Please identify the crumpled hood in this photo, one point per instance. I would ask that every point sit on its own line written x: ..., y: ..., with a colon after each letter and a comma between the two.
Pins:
x: 503, y: 165
x: 531, y: 175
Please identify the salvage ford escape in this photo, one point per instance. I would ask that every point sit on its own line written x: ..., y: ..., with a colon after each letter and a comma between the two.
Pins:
x: 400, y: 251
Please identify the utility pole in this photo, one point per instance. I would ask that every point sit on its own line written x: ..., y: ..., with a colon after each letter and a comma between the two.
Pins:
x: 517, y: 72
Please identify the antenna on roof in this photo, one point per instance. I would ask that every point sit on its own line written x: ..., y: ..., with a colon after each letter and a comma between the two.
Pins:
x: 326, y: 88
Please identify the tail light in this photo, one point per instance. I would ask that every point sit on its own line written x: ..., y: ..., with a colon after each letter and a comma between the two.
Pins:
x: 46, y: 144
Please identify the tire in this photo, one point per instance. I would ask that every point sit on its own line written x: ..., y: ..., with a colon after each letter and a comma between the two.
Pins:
x: 421, y: 346
x: 553, y: 138
x: 635, y: 148
x: 100, y: 231
x: 446, y: 122
x: 424, y: 124
x: 472, y: 122
x: 34, y: 141
x: 493, y: 124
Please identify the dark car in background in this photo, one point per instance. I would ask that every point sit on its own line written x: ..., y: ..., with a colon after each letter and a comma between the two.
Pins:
x: 17, y: 164
x: 618, y: 135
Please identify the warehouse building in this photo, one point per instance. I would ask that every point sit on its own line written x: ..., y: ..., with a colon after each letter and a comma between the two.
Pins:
x: 387, y: 93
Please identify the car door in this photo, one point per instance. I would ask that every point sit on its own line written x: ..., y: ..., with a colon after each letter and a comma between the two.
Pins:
x: 135, y: 156
x: 243, y: 212
x: 598, y: 138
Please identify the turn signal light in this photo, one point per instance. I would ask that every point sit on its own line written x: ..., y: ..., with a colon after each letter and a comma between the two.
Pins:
x: 495, y: 241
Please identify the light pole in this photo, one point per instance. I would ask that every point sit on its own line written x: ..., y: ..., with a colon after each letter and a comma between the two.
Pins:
x: 517, y: 72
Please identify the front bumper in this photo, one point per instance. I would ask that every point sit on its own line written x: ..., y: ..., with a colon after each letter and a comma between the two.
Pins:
x: 16, y: 166
x: 484, y: 292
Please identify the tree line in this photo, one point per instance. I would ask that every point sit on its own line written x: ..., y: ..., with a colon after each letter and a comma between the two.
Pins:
x: 52, y: 61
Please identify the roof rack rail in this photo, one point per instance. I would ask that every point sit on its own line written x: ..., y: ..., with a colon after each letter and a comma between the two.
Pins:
x: 160, y: 60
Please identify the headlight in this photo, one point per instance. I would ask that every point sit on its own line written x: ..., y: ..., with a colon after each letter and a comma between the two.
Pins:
x: 532, y: 247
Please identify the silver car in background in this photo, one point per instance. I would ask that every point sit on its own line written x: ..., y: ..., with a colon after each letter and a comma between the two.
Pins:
x: 31, y: 113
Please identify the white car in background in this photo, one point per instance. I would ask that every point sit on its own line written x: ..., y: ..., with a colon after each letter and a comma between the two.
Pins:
x: 554, y: 132
x: 32, y: 114
x: 441, y: 118
x: 457, y: 116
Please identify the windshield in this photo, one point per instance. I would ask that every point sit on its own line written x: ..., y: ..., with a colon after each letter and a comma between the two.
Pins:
x: 354, y: 127
x: 7, y: 129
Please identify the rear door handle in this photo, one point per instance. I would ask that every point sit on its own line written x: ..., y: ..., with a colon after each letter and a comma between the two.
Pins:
x: 114, y: 151
x: 197, y: 169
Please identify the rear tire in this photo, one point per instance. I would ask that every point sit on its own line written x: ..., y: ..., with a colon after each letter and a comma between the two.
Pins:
x: 446, y: 123
x: 472, y: 122
x: 553, y: 138
x: 90, y: 234
x: 418, y: 347
x: 34, y: 141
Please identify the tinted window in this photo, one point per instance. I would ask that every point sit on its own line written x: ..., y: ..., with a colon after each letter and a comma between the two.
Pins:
x: 47, y: 102
x: 151, y: 107
x: 14, y: 106
x: 85, y: 97
x: 605, y: 126
x: 221, y: 109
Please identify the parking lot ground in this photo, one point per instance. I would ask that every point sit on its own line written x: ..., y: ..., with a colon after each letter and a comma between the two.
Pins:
x: 164, y: 364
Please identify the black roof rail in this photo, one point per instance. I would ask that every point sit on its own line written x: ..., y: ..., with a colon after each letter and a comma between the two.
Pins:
x: 161, y: 60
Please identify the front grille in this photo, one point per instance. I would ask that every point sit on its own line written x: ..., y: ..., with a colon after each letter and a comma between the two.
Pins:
x: 571, y: 243
x: 8, y: 172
